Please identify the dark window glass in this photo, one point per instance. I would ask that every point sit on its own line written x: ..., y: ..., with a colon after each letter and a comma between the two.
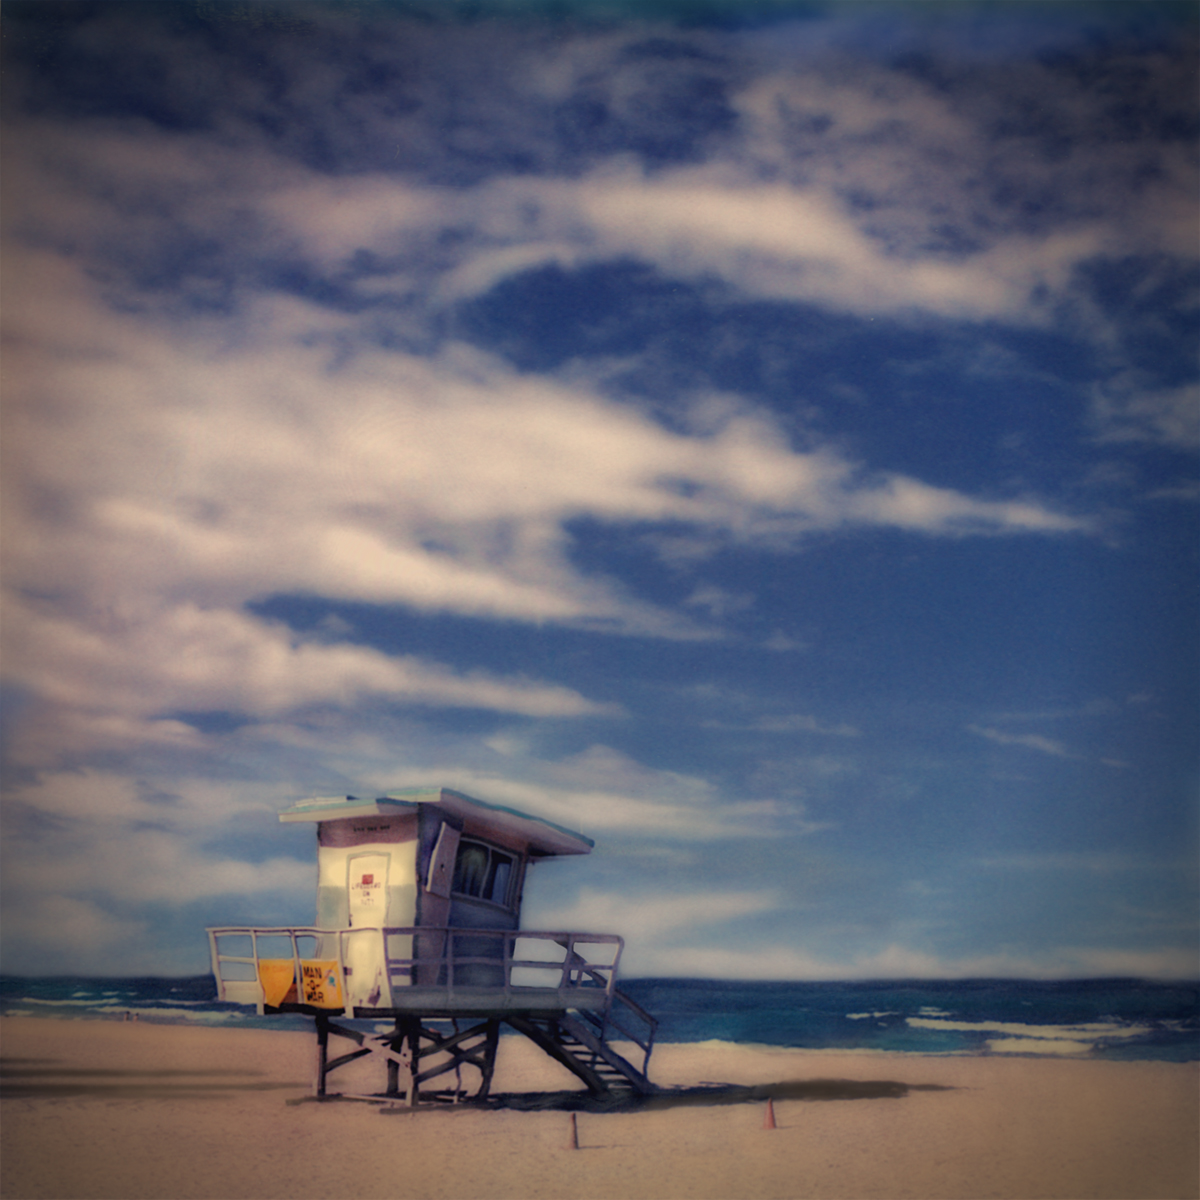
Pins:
x: 471, y: 869
x: 500, y: 874
x: 483, y: 872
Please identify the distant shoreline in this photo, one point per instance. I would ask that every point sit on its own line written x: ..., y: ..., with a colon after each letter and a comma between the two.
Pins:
x: 1112, y: 1019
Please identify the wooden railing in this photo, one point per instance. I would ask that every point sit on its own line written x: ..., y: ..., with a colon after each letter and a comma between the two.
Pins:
x: 314, y: 968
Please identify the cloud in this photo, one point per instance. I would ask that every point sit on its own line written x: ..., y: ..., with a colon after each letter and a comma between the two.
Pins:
x: 789, y: 723
x: 648, y: 918
x: 901, y: 962
x: 161, y: 476
x: 607, y: 792
x: 1093, y: 863
x: 186, y: 658
x: 1131, y: 408
x: 1031, y: 741
x: 57, y: 933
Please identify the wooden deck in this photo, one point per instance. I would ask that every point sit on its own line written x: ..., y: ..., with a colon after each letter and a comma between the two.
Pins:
x: 374, y: 971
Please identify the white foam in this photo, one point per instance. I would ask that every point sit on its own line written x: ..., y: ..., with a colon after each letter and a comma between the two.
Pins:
x: 35, y: 1000
x: 1087, y: 1032
x: 1037, y: 1046
x: 166, y: 1013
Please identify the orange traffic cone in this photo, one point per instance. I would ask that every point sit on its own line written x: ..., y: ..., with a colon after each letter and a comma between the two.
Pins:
x: 769, y: 1119
x: 573, y: 1141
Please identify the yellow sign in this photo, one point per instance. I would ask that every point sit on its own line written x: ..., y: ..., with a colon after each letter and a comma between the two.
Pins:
x: 322, y: 988
x: 277, y: 977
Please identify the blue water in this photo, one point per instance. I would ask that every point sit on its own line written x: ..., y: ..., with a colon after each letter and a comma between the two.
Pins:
x: 1104, y: 1018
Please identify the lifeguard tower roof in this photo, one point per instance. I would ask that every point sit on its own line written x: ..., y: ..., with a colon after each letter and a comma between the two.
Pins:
x: 543, y: 838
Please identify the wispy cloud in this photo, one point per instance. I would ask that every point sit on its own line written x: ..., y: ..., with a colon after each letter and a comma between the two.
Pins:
x: 902, y: 962
x: 180, y: 473
x: 789, y: 723
x: 1133, y: 408
x: 1031, y: 741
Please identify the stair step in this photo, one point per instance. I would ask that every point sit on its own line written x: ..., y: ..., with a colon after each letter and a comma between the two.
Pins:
x: 591, y: 1054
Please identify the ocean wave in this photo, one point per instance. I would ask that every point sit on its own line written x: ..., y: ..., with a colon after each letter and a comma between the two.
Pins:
x: 71, y: 1003
x: 1039, y: 1046
x: 169, y: 1014
x: 1093, y: 1031
x: 1054, y: 1040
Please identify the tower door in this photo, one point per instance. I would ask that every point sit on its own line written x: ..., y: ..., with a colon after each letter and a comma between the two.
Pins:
x: 365, y: 956
x: 368, y: 889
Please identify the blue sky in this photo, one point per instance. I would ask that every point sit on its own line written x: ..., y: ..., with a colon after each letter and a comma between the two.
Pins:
x: 761, y: 437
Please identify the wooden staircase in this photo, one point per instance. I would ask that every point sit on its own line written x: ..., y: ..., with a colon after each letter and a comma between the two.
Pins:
x: 577, y: 1041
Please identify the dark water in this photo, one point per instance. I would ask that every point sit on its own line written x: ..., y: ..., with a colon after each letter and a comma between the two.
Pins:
x: 1105, y: 1018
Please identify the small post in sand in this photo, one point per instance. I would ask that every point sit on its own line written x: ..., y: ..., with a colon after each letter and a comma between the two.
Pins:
x: 573, y: 1139
x: 769, y: 1119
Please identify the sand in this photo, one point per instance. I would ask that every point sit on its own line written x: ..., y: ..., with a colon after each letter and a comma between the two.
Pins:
x: 136, y: 1110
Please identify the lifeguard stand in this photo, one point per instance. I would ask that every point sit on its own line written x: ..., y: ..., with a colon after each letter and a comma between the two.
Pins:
x: 418, y: 923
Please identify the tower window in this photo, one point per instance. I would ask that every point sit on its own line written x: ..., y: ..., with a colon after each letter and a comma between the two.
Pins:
x: 483, y: 872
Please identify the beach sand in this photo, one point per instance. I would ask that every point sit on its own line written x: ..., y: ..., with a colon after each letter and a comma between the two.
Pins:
x: 136, y: 1110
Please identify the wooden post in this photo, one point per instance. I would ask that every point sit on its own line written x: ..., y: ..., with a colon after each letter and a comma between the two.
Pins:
x: 412, y: 1029
x: 489, y: 1058
x: 393, y: 1067
x: 322, y: 1053
x: 573, y: 1137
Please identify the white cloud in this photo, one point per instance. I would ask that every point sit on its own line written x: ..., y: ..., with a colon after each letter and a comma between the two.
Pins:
x: 789, y: 240
x: 186, y: 658
x: 148, y: 865
x: 648, y: 918
x: 604, y: 792
x: 58, y: 934
x: 901, y: 962
x: 789, y: 723
x: 95, y: 799
x: 160, y: 477
x: 1130, y: 408
x: 1031, y: 741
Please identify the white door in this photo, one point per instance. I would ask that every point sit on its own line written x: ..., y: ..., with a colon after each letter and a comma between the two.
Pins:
x: 365, y: 959
x: 368, y: 889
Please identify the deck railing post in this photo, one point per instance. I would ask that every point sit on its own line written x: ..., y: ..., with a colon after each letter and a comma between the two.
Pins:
x: 297, y: 970
x: 509, y: 951
x: 347, y: 1003
x: 262, y: 1000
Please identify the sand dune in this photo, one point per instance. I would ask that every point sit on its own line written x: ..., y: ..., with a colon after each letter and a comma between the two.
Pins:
x: 129, y: 1111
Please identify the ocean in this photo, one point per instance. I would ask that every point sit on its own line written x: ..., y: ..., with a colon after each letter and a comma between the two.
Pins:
x: 1094, y: 1018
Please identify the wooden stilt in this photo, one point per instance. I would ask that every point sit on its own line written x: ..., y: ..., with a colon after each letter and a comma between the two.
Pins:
x: 322, y: 1054
x: 419, y: 1050
x: 412, y: 1033
x: 489, y: 1058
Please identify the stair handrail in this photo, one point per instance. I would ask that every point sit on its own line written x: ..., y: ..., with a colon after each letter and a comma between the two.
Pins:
x: 652, y: 1024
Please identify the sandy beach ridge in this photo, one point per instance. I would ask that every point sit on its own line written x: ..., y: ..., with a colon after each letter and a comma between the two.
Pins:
x: 127, y: 1111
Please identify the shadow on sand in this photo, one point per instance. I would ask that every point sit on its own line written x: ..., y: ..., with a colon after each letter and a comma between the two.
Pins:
x: 703, y: 1094
x: 37, y: 1078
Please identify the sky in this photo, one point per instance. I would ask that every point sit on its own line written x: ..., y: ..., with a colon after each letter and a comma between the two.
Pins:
x: 760, y: 436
